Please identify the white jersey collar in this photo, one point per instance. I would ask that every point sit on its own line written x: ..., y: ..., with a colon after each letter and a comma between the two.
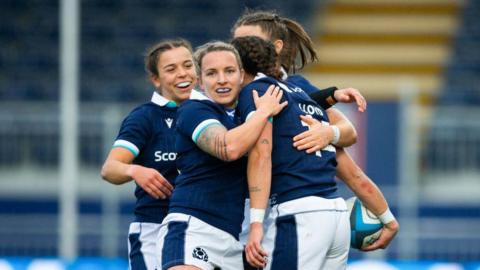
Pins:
x: 162, y: 101
x: 197, y: 95
x: 259, y: 76
x: 282, y: 85
x: 284, y: 74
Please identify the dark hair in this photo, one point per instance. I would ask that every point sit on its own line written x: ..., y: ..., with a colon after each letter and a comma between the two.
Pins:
x: 214, y: 46
x: 257, y: 55
x: 296, y: 41
x: 153, y: 53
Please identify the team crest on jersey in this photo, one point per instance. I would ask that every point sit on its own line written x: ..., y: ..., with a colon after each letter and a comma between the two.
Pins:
x: 169, y: 122
x: 199, y: 253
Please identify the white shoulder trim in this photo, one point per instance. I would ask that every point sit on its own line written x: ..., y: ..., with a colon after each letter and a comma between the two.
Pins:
x: 249, y: 115
x: 202, y: 126
x: 282, y: 85
x: 127, y: 145
x: 197, y: 95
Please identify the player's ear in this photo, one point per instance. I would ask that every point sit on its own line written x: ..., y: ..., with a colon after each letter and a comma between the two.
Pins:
x: 155, y: 81
x: 278, y: 46
x: 242, y: 75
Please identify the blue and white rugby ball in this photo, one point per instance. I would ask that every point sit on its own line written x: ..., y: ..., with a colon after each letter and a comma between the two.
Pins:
x: 365, y: 227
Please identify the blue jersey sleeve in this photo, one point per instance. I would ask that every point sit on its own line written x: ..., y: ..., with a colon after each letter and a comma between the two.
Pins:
x: 302, y: 83
x: 194, y: 116
x: 134, y: 131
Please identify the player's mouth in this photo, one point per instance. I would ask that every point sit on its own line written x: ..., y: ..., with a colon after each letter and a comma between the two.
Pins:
x: 223, y: 91
x: 183, y: 85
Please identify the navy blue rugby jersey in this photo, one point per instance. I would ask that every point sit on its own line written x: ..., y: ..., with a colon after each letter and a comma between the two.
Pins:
x: 207, y: 188
x: 149, y: 133
x: 302, y: 83
x: 295, y: 174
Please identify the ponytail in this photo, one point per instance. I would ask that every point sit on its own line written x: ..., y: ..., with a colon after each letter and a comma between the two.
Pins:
x: 296, y: 41
x: 298, y: 44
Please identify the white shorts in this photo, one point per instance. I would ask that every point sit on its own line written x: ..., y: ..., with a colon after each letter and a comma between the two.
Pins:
x: 308, y: 233
x: 142, y: 239
x: 186, y: 240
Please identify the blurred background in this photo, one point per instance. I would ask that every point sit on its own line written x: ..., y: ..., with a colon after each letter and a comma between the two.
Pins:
x: 71, y: 70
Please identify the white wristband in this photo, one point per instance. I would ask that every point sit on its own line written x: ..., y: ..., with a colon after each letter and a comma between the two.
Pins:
x: 256, y: 215
x: 386, y: 217
x: 336, y: 134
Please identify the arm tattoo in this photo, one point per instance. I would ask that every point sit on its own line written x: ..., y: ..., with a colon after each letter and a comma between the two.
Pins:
x: 220, y: 146
x: 264, y: 141
x: 254, y: 189
x: 212, y: 140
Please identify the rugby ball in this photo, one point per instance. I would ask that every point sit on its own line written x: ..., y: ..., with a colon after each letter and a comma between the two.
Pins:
x: 365, y: 227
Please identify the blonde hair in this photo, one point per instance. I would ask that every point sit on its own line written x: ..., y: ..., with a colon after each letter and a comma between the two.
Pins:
x: 214, y: 46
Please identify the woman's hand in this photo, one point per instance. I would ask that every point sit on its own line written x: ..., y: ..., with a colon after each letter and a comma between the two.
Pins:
x: 270, y: 101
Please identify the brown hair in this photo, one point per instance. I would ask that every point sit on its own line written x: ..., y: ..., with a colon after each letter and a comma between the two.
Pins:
x: 257, y: 55
x: 295, y: 39
x: 153, y: 53
x: 214, y: 46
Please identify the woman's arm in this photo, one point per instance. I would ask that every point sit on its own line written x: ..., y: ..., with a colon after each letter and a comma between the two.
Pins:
x: 259, y: 172
x: 348, y: 134
x: 118, y: 170
x: 229, y: 145
x: 330, y: 96
x: 370, y: 195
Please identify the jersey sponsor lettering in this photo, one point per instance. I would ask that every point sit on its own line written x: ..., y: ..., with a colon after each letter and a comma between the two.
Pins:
x: 167, y: 156
x: 310, y: 109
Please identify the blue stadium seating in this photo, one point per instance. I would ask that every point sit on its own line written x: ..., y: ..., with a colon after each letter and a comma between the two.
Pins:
x: 463, y: 72
x: 114, y: 35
